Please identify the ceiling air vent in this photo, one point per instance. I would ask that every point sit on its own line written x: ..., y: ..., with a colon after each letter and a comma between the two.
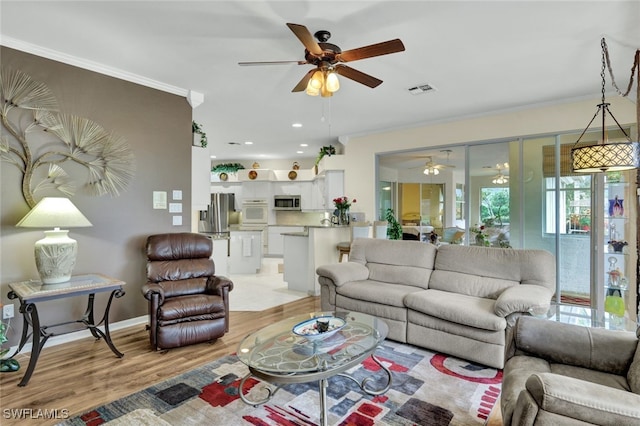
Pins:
x: 422, y: 88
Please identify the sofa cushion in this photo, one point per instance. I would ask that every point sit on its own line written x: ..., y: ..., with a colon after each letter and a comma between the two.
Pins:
x: 397, y: 262
x: 378, y: 292
x: 471, y: 285
x: 606, y: 379
x: 486, y: 272
x: 458, y: 308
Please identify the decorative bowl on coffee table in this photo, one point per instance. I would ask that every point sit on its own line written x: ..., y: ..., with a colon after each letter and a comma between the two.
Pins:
x: 309, y: 328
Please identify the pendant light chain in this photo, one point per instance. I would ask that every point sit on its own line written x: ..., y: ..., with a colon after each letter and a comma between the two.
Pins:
x: 602, y: 76
x: 613, y: 80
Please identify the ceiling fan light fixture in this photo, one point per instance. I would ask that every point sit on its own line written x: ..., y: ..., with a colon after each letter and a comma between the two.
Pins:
x: 500, y: 179
x: 431, y: 171
x: 311, y: 91
x: 332, y: 82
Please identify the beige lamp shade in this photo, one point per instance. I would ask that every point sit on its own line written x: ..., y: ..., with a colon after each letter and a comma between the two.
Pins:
x: 54, y: 212
x: 55, y: 254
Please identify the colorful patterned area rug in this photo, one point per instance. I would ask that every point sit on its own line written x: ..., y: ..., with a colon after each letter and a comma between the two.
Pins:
x: 428, y: 389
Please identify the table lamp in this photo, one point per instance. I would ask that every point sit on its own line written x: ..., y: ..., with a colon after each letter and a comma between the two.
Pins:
x: 56, y: 252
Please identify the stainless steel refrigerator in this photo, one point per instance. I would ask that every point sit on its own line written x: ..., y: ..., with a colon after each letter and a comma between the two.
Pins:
x: 215, y: 220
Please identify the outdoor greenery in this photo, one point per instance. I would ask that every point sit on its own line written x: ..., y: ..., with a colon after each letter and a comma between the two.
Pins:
x: 494, y: 207
x: 394, y: 230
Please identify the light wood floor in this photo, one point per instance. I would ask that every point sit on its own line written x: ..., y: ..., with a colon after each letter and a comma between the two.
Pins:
x: 81, y: 375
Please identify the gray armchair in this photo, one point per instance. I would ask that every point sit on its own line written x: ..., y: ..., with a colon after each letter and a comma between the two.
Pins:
x: 562, y: 374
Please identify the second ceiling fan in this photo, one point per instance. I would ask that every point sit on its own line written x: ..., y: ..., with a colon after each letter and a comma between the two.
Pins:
x: 328, y: 58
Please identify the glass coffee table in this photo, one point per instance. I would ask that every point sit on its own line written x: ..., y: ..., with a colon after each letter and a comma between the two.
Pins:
x: 278, y: 356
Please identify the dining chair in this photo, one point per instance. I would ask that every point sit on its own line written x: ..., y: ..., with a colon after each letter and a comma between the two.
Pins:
x: 380, y: 229
x: 356, y: 230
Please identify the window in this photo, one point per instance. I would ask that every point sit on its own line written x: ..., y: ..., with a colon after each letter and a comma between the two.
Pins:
x: 575, y: 205
x: 459, y: 201
x: 494, y: 206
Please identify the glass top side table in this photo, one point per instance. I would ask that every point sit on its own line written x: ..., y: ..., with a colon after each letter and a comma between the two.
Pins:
x: 31, y: 292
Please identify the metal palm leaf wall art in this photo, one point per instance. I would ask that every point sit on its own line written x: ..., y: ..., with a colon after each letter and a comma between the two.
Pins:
x: 43, y: 143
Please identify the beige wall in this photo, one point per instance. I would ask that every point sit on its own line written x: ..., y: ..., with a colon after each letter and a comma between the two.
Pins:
x: 157, y: 126
x: 360, y: 151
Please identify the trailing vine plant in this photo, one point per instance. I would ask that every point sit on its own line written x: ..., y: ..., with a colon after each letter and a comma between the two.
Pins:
x: 197, y: 129
x: 43, y: 143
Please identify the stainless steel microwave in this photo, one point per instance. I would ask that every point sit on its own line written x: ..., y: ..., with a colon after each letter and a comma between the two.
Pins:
x: 286, y: 202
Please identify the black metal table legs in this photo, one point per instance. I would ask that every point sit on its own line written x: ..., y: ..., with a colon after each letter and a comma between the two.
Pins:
x: 40, y: 334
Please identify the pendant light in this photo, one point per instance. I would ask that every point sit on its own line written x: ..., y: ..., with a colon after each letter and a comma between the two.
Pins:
x: 605, y: 156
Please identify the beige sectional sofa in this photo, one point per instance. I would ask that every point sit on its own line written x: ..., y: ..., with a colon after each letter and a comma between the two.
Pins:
x: 459, y: 300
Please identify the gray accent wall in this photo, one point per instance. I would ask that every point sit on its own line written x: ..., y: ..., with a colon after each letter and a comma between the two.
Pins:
x: 157, y: 126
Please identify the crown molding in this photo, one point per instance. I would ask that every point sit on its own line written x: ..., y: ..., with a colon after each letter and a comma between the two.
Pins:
x: 90, y: 65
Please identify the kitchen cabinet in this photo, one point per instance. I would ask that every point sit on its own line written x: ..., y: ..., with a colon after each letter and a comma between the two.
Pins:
x: 276, y: 239
x: 325, y: 188
x: 257, y: 190
x: 245, y: 252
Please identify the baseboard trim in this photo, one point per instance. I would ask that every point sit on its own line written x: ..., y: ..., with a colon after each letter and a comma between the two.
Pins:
x: 81, y: 334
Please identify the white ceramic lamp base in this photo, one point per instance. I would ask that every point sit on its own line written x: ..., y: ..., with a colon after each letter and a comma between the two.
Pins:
x: 55, y: 256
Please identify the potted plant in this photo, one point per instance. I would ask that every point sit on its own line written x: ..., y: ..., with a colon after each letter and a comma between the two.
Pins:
x: 8, y: 364
x: 325, y: 150
x: 196, y: 129
x: 394, y: 230
x: 227, y: 168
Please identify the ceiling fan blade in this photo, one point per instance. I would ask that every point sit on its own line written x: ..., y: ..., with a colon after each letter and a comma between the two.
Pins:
x: 378, y: 49
x: 306, y: 38
x: 302, y: 84
x: 250, y: 64
x: 358, y: 76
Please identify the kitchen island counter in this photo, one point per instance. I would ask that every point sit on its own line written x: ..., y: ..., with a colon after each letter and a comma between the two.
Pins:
x: 305, y: 251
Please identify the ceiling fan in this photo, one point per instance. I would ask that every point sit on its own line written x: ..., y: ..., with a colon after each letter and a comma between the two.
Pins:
x: 328, y: 59
x: 433, y: 168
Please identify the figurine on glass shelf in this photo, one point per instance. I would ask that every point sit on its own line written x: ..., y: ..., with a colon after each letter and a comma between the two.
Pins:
x: 616, y: 208
x: 617, y: 246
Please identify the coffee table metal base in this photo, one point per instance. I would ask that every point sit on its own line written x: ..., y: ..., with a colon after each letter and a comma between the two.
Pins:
x: 278, y: 380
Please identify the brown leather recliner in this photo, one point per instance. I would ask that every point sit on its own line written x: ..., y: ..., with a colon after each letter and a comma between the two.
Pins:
x: 188, y: 303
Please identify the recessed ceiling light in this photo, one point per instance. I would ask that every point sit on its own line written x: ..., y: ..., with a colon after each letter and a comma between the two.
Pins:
x: 213, y: 156
x: 248, y: 143
x: 296, y: 125
x: 304, y: 144
x: 299, y: 152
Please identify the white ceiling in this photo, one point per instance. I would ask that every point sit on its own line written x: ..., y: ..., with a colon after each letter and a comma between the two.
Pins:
x: 482, y: 57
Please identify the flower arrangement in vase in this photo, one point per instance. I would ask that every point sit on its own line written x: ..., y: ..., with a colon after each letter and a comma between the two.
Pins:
x: 342, y: 205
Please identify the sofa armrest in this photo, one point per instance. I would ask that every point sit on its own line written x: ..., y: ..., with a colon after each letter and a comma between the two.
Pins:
x: 153, y: 288
x: 341, y: 273
x: 582, y: 400
x: 523, y: 298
